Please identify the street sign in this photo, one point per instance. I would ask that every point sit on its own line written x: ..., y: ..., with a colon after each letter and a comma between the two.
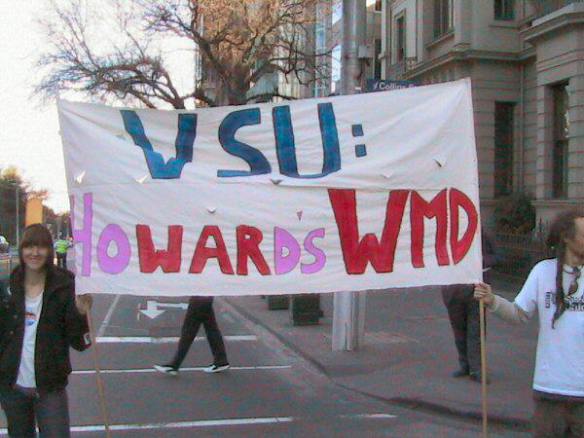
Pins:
x: 387, y: 85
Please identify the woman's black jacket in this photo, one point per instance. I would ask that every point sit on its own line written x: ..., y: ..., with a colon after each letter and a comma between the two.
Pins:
x: 60, y: 326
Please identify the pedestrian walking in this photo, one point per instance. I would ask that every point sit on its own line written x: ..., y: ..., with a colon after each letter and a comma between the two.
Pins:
x: 40, y: 318
x: 200, y: 311
x: 61, y: 248
x: 463, y: 312
x: 555, y: 291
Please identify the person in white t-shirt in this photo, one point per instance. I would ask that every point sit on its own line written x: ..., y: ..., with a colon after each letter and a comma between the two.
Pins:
x: 554, y: 290
x: 41, y: 318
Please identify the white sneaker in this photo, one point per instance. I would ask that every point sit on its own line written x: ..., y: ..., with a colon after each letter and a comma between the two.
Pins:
x: 216, y: 368
x: 166, y: 369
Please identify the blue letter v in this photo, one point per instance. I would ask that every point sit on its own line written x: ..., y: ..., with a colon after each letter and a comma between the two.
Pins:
x: 187, y: 131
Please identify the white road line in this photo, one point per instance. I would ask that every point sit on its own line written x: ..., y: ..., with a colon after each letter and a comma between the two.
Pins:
x: 180, y: 424
x: 163, y: 340
x: 186, y: 369
x: 370, y: 416
x: 210, y: 423
x: 108, y: 316
x: 228, y: 317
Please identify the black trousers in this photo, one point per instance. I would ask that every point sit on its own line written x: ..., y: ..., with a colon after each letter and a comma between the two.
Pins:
x: 200, y: 311
x: 463, y: 311
x: 49, y: 410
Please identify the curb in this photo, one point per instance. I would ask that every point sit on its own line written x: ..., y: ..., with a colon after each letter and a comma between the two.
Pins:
x: 280, y: 338
x: 414, y: 404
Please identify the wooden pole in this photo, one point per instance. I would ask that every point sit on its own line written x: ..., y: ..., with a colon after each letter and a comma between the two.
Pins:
x: 100, y: 387
x: 483, y: 367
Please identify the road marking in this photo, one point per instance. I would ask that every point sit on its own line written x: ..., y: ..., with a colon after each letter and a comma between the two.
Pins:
x: 163, y: 340
x: 209, y: 423
x: 228, y: 317
x: 108, y: 316
x: 185, y: 369
x: 370, y: 416
x: 153, y: 311
x: 180, y: 424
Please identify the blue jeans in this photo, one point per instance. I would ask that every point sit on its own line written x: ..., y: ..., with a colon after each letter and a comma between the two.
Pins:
x: 27, y: 408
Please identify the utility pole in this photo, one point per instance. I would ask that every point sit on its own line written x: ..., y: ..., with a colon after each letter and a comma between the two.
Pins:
x: 349, y: 307
x: 16, y: 190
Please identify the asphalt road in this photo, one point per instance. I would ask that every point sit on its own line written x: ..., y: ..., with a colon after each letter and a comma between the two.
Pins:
x: 269, y: 391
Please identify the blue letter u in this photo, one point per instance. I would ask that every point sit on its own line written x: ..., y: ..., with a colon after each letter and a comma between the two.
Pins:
x: 286, y: 146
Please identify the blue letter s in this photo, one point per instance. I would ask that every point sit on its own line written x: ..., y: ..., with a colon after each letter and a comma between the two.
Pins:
x: 258, y: 164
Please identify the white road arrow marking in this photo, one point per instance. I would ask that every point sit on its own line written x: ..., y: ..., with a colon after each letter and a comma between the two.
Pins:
x: 153, y: 308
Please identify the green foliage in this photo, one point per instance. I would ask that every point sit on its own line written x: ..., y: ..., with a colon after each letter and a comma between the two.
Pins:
x: 515, y: 214
x: 12, y: 187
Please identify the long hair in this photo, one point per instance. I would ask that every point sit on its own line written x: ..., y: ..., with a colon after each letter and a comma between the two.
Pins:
x: 562, y: 228
x: 37, y: 235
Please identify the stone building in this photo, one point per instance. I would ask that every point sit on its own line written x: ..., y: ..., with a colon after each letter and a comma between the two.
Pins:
x: 526, y: 62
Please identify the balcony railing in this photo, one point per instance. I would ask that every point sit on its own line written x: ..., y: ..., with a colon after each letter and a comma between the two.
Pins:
x: 544, y: 7
x: 399, y: 69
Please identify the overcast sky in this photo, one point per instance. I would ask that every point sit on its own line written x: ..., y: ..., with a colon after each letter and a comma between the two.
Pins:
x: 29, y: 136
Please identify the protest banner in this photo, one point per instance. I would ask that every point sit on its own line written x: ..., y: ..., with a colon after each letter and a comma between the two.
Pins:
x: 356, y: 192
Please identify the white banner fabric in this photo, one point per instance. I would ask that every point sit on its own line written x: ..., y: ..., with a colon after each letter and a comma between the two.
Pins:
x: 360, y: 192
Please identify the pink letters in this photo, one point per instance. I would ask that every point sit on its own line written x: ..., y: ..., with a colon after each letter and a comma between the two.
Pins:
x: 286, y: 263
x: 83, y: 235
x: 119, y: 262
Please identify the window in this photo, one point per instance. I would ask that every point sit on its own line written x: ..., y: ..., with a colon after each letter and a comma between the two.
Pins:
x: 400, y: 39
x: 320, y: 38
x: 377, y: 65
x: 337, y: 11
x: 504, y: 10
x: 320, y: 47
x: 503, y: 148
x: 560, y: 145
x: 442, y: 17
x: 378, y: 5
x: 335, y: 67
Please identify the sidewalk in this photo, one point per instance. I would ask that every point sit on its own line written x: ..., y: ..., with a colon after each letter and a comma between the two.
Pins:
x: 409, y: 353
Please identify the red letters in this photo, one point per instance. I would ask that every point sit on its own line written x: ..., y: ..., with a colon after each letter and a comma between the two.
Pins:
x: 460, y: 247
x: 150, y: 258
x: 357, y: 253
x: 203, y: 253
x: 248, y: 246
x: 419, y: 209
x: 381, y: 254
x: 445, y: 208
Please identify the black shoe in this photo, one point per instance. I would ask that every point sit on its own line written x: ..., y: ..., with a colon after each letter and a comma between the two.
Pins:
x: 459, y: 373
x: 215, y: 368
x: 477, y: 377
x: 166, y: 369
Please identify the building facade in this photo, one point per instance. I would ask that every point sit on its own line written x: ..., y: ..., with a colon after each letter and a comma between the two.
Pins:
x: 526, y: 62
x: 371, y: 61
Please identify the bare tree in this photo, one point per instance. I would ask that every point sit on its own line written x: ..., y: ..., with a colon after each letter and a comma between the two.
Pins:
x: 239, y: 42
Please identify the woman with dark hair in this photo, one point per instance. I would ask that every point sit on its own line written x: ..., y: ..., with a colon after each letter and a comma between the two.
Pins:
x: 553, y: 290
x: 40, y: 318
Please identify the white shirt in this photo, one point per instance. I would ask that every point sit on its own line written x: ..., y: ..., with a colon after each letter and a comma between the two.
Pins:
x: 559, y: 366
x: 26, y: 373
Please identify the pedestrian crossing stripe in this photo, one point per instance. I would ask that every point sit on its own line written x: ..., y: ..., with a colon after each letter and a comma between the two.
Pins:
x: 164, y: 339
x: 185, y: 369
x: 213, y: 423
